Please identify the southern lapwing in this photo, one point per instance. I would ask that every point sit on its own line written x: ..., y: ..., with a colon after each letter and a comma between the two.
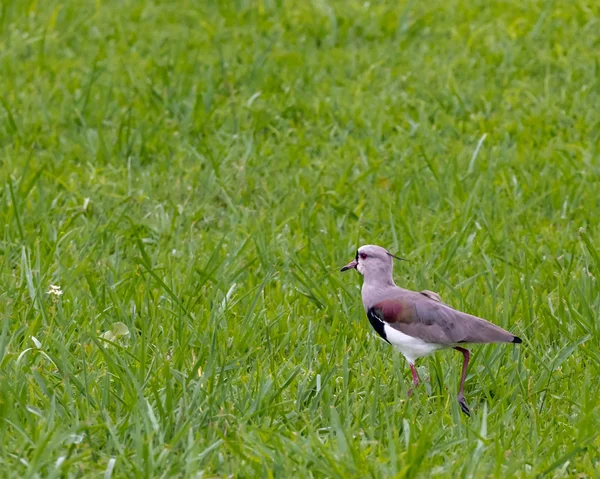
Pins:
x: 418, y: 323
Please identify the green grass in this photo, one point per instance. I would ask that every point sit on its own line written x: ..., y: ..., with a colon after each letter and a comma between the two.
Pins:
x: 199, y: 171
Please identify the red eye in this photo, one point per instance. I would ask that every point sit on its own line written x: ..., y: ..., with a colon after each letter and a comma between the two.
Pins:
x: 363, y: 255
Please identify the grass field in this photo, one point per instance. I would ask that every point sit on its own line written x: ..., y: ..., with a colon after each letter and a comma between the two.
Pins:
x: 191, y: 176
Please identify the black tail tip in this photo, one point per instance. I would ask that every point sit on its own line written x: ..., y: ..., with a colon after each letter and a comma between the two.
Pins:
x: 517, y: 340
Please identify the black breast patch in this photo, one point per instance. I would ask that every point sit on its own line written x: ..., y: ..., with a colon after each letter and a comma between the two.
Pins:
x: 374, y: 316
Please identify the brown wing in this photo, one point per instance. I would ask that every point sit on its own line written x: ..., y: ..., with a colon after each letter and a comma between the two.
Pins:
x: 429, y: 319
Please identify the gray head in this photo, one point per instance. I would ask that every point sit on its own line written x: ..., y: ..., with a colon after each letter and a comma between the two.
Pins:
x: 374, y: 263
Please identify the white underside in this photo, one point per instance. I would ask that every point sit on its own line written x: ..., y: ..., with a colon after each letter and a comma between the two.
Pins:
x: 411, y: 348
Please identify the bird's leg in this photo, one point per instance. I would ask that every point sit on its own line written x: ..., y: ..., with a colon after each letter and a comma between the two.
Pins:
x: 461, y: 397
x: 415, y: 378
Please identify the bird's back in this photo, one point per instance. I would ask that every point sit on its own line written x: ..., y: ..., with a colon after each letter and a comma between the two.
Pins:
x: 425, y: 316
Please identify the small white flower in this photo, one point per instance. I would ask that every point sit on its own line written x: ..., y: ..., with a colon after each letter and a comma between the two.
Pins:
x: 55, y: 290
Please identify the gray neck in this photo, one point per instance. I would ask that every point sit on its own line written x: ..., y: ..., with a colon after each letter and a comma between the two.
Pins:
x: 375, y: 288
x: 380, y: 277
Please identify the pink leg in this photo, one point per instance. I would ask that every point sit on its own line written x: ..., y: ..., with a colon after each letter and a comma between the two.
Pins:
x: 461, y: 397
x: 415, y: 378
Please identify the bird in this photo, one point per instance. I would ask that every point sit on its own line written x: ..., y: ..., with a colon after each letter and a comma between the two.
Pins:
x: 418, y: 323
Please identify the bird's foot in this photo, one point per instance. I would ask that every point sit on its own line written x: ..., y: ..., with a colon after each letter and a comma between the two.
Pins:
x: 463, y: 405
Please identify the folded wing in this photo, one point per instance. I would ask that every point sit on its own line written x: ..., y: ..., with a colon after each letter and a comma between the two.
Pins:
x: 422, y: 316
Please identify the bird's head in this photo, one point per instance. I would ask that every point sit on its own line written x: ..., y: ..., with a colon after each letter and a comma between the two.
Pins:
x: 373, y: 262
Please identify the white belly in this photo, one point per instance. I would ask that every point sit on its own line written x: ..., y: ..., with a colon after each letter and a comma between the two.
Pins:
x: 411, y: 348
